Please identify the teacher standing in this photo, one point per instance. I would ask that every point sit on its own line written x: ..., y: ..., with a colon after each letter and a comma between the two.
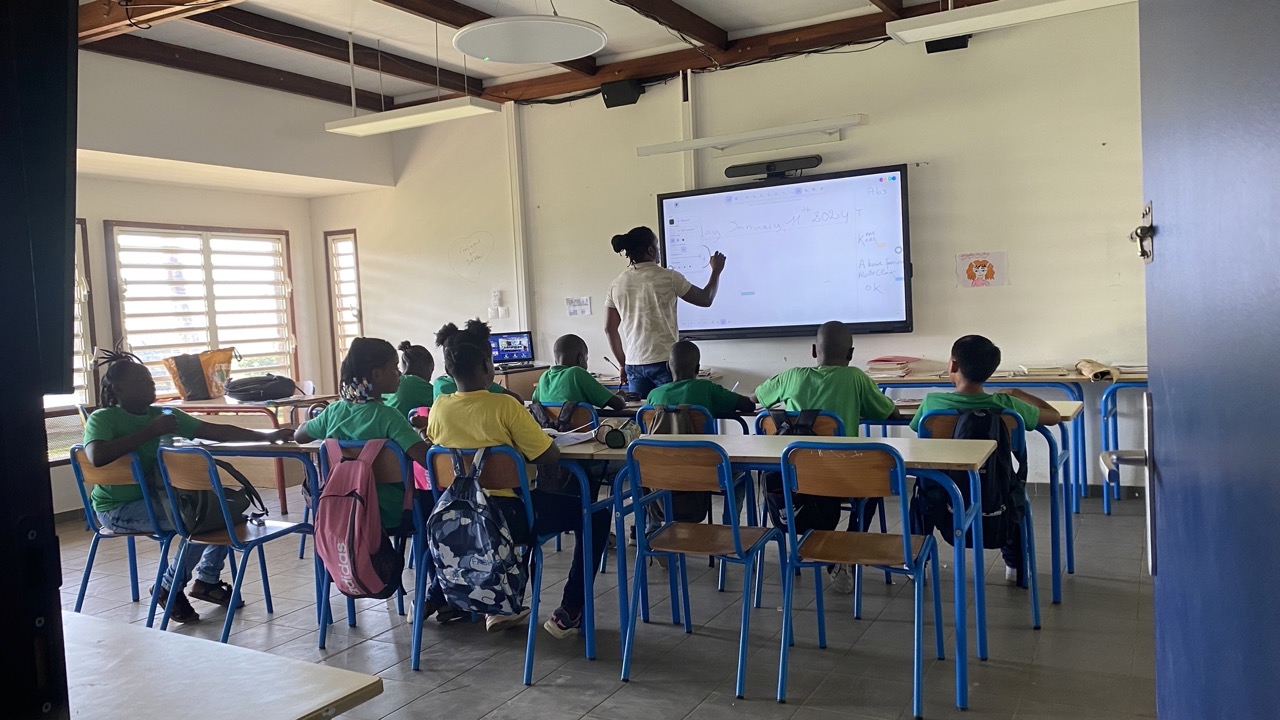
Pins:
x: 641, y: 317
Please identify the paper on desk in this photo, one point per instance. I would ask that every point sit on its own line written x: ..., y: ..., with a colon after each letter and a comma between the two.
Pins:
x: 1096, y: 371
x: 573, y: 438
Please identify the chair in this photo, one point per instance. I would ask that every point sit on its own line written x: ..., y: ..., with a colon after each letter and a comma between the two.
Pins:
x: 193, y: 468
x: 942, y: 424
x: 663, y: 466
x: 871, y: 471
x: 584, y: 415
x: 506, y: 469
x: 312, y: 411
x: 126, y: 470
x: 391, y: 467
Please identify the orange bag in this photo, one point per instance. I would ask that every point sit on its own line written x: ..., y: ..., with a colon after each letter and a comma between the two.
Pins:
x: 203, y: 376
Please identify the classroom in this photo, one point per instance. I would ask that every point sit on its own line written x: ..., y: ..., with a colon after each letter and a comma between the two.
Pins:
x: 265, y: 186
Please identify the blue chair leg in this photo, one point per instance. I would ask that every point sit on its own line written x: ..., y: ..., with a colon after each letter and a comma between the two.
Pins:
x: 748, y: 575
x: 266, y: 584
x: 857, y: 592
x: 674, y: 582
x: 351, y: 612
x: 888, y: 576
x: 559, y: 538
x: 325, y: 609
x: 917, y: 678
x: 788, y: 631
x: 133, y: 567
x: 937, y: 600
x: 533, y: 614
x: 1029, y: 565
x: 161, y: 568
x: 419, y: 602
x: 629, y: 637
x: 235, y: 596
x: 684, y: 593
x: 302, y: 541
x: 88, y: 569
x: 818, y: 606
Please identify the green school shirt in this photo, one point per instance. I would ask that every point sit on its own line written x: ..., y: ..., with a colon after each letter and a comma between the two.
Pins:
x: 111, y: 423
x: 956, y: 401
x: 846, y: 391
x: 413, y: 393
x: 721, y: 402
x: 570, y: 383
x: 444, y: 385
x: 345, y: 420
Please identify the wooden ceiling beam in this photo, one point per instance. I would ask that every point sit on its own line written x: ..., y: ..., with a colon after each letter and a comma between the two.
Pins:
x: 286, y: 35
x: 892, y: 8
x: 102, y: 19
x: 198, y: 61
x: 685, y: 21
x: 455, y: 15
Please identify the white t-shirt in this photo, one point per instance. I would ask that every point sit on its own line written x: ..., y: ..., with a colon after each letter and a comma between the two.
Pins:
x: 645, y: 295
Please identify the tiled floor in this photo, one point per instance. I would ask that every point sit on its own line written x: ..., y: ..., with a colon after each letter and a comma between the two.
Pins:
x: 1093, y: 658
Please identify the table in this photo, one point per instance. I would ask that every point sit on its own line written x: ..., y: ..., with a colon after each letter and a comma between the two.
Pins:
x: 1108, y: 428
x: 520, y: 380
x: 117, y: 671
x: 925, y: 458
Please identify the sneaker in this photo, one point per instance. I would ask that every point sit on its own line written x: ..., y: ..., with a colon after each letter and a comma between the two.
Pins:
x: 842, y: 580
x: 447, y: 615
x: 561, y: 625
x: 1011, y: 575
x: 218, y: 593
x: 495, y: 623
x: 182, y: 610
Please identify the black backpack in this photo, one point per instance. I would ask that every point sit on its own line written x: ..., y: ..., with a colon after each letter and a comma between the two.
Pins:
x: 689, y: 506
x: 812, y: 512
x: 1002, y: 486
x: 556, y: 480
x: 258, y: 388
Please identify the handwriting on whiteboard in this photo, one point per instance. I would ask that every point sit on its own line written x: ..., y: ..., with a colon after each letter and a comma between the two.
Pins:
x: 468, y: 255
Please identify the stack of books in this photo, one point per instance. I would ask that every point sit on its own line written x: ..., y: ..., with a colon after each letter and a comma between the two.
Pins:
x: 890, y: 366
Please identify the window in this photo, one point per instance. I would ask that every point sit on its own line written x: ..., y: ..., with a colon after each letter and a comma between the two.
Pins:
x: 62, y: 426
x: 178, y: 289
x: 344, y: 289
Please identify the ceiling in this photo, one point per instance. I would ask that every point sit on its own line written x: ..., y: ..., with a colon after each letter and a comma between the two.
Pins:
x: 401, y: 34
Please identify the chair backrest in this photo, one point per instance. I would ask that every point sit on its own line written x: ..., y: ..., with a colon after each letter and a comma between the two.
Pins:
x: 192, y: 468
x: 942, y: 424
x: 391, y: 466
x: 504, y: 468
x: 703, y: 422
x: 828, y: 424
x: 679, y: 465
x: 583, y: 414
x: 125, y: 470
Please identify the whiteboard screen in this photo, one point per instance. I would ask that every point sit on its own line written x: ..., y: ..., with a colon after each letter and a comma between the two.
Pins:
x: 800, y: 252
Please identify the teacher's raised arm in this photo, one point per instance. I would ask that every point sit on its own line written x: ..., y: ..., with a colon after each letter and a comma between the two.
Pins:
x: 640, y: 320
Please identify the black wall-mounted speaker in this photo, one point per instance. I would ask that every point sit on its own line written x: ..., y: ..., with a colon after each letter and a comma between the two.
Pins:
x: 621, y: 92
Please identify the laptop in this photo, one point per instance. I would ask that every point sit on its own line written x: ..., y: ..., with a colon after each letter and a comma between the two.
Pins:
x: 512, y: 350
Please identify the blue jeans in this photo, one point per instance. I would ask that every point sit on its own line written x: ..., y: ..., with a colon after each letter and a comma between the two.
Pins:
x: 642, y: 379
x: 205, y: 560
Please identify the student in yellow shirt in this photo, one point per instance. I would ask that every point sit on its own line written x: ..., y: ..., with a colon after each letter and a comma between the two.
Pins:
x: 569, y: 381
x: 414, y: 391
x: 846, y: 391
x: 473, y: 418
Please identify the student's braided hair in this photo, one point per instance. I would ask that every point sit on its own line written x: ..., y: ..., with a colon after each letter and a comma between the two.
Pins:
x: 415, y: 355
x: 113, y: 361
x: 364, y: 356
x: 465, y: 350
x: 635, y: 243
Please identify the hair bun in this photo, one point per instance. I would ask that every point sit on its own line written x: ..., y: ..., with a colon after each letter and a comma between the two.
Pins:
x: 404, y: 346
x: 619, y: 243
x: 446, y: 333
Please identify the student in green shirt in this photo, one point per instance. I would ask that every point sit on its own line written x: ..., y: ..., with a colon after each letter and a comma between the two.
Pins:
x: 126, y: 421
x: 415, y: 391
x: 369, y: 371
x: 569, y: 381
x: 974, y: 359
x: 689, y: 389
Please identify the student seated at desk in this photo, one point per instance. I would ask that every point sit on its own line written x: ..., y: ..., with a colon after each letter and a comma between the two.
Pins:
x: 974, y: 359
x: 689, y: 389
x: 845, y: 391
x: 128, y: 421
x: 473, y: 418
x: 445, y: 385
x: 414, y: 391
x: 569, y: 381
x: 369, y: 371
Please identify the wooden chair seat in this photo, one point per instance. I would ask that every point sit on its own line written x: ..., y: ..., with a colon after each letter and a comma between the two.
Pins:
x: 703, y: 539
x: 856, y: 548
x: 114, y: 533
x: 246, y: 532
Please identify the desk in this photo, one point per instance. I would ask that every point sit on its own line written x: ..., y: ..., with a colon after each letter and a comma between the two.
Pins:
x: 925, y: 458
x: 117, y: 671
x: 1108, y: 428
x: 520, y: 380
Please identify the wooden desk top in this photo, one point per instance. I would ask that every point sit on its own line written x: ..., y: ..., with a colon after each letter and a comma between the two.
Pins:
x: 1071, y: 377
x: 1068, y: 409
x: 117, y: 671
x: 257, y: 446
x: 943, y: 454
x: 226, y: 403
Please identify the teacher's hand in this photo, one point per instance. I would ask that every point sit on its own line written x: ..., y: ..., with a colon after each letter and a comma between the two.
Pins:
x: 717, y: 262
x: 622, y: 376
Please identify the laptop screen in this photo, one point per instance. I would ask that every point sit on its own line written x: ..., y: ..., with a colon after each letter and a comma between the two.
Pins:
x: 511, y: 347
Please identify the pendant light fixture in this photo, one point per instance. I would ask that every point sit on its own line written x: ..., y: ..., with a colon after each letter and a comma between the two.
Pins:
x: 530, y: 39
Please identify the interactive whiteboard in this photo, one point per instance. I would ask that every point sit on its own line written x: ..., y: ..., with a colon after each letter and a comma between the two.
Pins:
x: 801, y: 251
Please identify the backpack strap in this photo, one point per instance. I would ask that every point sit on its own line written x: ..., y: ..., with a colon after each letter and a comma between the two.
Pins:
x: 564, y: 422
x: 333, y: 453
x: 805, y: 421
x: 540, y: 414
x: 460, y: 463
x: 257, y: 508
x: 781, y: 421
x: 369, y: 453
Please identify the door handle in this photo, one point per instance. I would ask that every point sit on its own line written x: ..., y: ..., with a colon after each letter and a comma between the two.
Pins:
x: 1113, y: 459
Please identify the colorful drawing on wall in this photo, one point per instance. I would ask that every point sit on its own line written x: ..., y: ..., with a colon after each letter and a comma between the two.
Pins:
x: 984, y: 269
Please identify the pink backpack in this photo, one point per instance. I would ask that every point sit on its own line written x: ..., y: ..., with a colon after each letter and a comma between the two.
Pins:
x: 349, y: 537
x: 420, y: 478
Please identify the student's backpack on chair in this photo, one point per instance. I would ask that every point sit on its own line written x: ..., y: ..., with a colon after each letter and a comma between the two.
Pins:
x: 1002, y: 486
x: 811, y: 511
x: 555, y: 479
x: 690, y: 506
x: 349, y: 537
x: 472, y: 550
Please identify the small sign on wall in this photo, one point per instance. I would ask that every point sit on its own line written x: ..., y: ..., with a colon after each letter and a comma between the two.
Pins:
x: 578, y: 306
x: 983, y: 269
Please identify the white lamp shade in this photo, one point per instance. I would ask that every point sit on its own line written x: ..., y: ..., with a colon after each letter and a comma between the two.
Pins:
x: 529, y: 39
x: 412, y: 117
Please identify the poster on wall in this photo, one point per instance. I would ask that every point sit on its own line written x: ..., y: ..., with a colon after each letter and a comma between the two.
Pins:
x: 982, y: 269
x: 578, y: 306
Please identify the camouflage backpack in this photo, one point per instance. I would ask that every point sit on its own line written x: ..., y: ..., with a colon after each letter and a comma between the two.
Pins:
x: 474, y: 555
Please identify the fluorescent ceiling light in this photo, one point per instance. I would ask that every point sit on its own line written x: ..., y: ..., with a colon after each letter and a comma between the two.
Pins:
x: 412, y: 117
x: 834, y: 126
x: 530, y: 39
x: 988, y: 16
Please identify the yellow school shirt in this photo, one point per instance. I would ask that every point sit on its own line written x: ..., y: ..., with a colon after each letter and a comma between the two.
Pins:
x: 476, y: 419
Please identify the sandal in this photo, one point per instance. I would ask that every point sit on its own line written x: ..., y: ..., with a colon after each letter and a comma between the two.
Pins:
x: 218, y: 593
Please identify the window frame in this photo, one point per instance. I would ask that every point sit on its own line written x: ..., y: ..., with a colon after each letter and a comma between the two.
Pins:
x: 88, y: 333
x: 111, y: 227
x: 329, y: 237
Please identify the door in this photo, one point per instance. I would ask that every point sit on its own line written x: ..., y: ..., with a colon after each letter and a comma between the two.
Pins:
x: 1211, y: 166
